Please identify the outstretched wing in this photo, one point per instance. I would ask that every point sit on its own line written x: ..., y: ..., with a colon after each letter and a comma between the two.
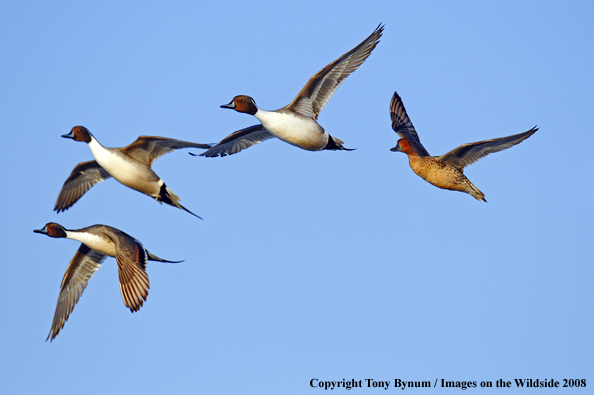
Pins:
x: 147, y: 149
x: 403, y: 126
x: 318, y: 90
x: 82, y: 178
x: 132, y: 258
x: 239, y: 141
x: 469, y: 153
x: 81, y: 268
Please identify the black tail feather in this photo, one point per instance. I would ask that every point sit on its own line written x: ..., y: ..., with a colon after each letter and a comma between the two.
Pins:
x: 336, y: 145
x: 165, y: 197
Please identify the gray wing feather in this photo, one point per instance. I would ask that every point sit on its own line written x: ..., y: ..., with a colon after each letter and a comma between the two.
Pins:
x: 80, y: 270
x: 320, y: 88
x: 469, y: 153
x: 82, y: 178
x: 147, y: 149
x: 403, y: 126
x: 239, y: 141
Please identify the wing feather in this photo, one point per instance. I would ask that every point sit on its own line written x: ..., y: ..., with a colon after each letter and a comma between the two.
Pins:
x: 239, y: 141
x: 82, y: 178
x: 132, y: 259
x: 403, y: 126
x: 80, y: 270
x: 320, y: 88
x: 147, y: 149
x: 469, y: 153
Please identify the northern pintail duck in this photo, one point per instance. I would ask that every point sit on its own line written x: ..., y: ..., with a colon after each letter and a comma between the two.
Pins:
x: 130, y: 165
x: 445, y: 171
x: 99, y: 241
x: 297, y: 123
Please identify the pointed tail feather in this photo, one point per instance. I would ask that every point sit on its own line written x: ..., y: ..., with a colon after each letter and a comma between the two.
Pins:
x: 153, y: 257
x: 170, y: 198
x: 335, y: 144
x: 476, y: 193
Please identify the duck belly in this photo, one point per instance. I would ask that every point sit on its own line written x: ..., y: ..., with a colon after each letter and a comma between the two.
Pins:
x: 299, y: 131
x: 131, y: 173
x: 438, y: 174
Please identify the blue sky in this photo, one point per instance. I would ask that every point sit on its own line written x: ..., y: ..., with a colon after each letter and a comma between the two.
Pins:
x: 325, y: 265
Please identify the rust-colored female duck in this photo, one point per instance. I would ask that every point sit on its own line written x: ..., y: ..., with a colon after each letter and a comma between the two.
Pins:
x: 445, y: 171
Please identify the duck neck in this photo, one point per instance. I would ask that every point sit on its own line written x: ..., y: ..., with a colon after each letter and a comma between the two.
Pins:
x: 83, y: 237
x: 96, y: 148
x: 263, y: 115
x: 259, y: 112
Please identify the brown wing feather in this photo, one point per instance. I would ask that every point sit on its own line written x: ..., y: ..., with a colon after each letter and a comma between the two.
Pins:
x: 134, y: 282
x: 147, y: 149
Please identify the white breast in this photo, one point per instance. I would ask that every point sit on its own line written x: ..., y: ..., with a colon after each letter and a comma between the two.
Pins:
x: 293, y: 129
x: 94, y: 242
x: 119, y: 166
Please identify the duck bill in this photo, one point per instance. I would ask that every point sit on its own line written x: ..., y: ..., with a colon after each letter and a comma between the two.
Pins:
x: 230, y: 105
x: 68, y: 136
x: 396, y: 149
x: 42, y: 231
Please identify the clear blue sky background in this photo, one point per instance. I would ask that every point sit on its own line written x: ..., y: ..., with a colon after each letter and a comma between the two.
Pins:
x: 327, y: 265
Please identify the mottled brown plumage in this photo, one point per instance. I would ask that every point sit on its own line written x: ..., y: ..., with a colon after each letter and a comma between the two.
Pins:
x: 445, y: 171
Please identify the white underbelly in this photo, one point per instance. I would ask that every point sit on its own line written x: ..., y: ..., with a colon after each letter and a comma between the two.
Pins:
x: 299, y: 131
x: 124, y: 171
x: 133, y: 174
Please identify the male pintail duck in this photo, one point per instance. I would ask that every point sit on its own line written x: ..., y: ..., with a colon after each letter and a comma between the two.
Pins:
x: 297, y: 123
x: 99, y: 241
x: 129, y: 165
x: 445, y: 171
